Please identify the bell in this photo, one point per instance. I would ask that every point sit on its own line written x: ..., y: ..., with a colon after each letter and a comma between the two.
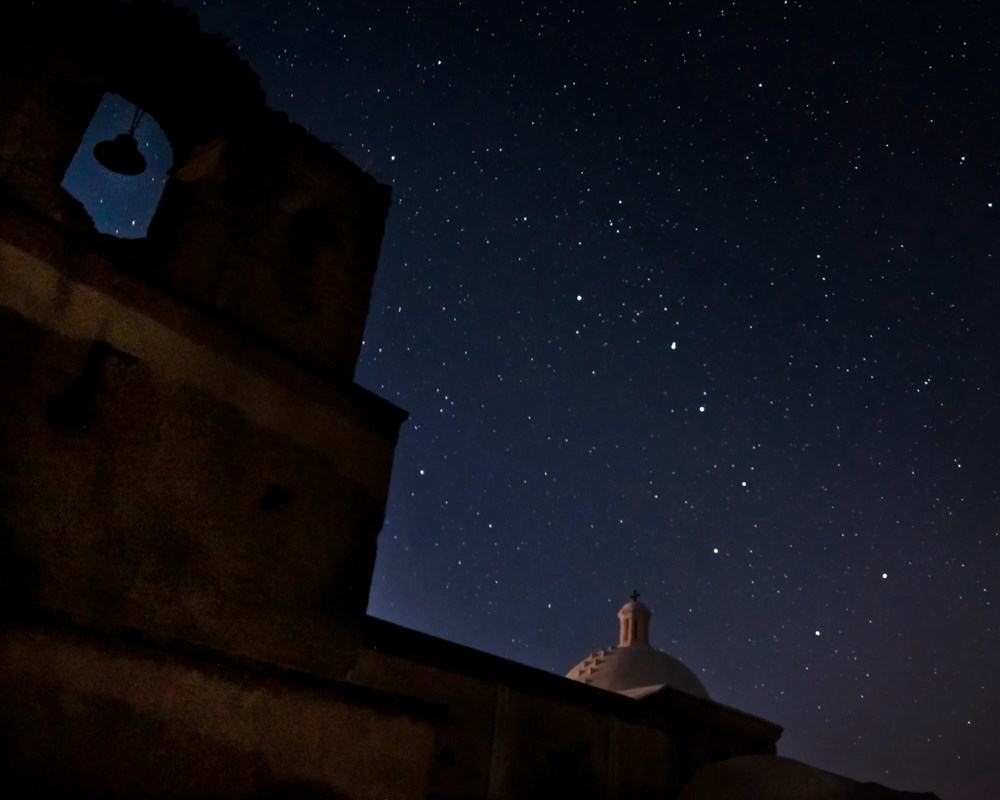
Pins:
x: 120, y: 155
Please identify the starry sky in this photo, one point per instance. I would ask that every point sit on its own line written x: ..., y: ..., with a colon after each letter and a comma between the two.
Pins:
x: 694, y: 298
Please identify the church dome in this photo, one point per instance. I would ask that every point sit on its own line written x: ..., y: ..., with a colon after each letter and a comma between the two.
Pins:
x: 633, y: 667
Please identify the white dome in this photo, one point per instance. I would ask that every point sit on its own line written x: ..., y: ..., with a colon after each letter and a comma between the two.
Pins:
x: 633, y: 667
x: 636, y: 670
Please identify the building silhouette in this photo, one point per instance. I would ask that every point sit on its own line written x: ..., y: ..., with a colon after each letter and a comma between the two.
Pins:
x: 192, y: 485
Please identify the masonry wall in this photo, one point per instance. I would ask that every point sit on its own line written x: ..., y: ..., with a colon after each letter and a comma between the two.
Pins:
x: 182, y: 449
x: 498, y: 741
x: 509, y: 731
x: 86, y: 716
x: 191, y: 484
x: 148, y: 480
x: 260, y: 225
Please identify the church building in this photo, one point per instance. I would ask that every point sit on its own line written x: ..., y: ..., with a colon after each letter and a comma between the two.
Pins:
x: 192, y: 484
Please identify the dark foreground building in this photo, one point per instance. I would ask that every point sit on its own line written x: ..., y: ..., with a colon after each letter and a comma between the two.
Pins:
x: 192, y: 485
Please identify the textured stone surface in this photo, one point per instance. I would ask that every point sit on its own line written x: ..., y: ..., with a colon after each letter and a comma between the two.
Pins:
x: 103, y: 718
x: 182, y: 450
x: 511, y: 731
x: 262, y: 225
x: 191, y: 485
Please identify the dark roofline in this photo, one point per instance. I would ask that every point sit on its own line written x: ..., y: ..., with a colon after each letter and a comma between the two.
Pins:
x: 391, y: 639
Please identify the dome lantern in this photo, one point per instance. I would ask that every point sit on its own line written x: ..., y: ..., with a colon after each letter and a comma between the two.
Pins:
x: 634, y: 618
x: 633, y: 667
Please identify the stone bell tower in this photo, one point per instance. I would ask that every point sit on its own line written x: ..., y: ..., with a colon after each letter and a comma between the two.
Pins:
x: 184, y: 456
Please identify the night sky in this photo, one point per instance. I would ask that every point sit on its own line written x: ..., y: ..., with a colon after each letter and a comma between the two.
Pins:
x: 694, y: 298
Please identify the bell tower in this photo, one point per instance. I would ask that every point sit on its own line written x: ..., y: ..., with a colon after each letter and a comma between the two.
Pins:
x: 184, y: 454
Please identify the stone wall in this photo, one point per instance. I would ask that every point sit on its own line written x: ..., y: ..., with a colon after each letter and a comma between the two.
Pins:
x: 182, y: 449
x: 510, y: 731
x: 191, y: 485
x: 261, y: 225
x: 85, y: 716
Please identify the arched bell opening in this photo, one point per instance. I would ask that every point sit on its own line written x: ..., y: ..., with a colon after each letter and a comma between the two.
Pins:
x: 120, y: 168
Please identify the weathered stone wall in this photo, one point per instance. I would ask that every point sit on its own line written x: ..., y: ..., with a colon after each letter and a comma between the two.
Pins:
x: 191, y: 485
x: 146, y: 480
x: 510, y: 731
x: 500, y: 741
x: 90, y: 717
x: 182, y: 449
x: 643, y: 762
x: 278, y: 234
x: 262, y: 225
